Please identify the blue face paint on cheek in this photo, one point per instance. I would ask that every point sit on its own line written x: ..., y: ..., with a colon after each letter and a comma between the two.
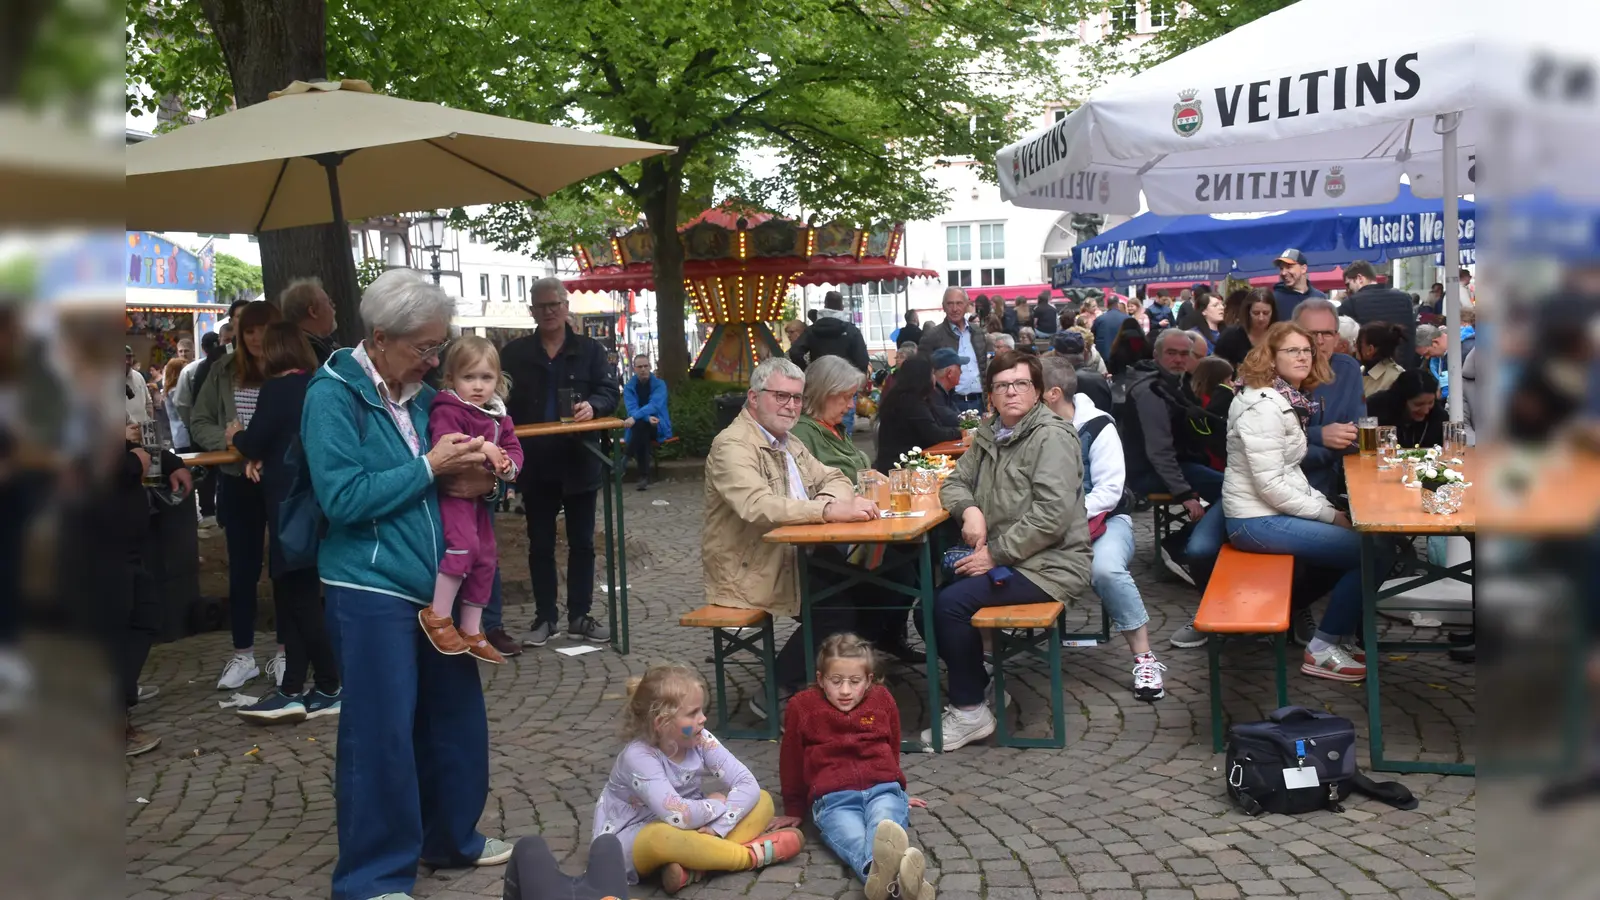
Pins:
x: 687, y: 731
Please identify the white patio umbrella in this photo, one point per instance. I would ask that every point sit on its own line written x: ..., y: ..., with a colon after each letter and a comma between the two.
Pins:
x: 1324, y: 103
x: 56, y: 175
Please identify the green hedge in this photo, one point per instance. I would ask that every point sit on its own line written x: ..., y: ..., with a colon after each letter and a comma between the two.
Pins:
x: 694, y: 417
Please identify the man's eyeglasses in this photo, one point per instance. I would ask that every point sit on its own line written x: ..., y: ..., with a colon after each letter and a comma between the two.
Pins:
x: 1010, y: 387
x: 1297, y: 351
x: 1322, y: 335
x: 548, y: 307
x: 784, y: 398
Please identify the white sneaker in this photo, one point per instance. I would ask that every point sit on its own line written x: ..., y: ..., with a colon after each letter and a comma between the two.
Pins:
x: 962, y: 727
x: 1147, y: 684
x: 239, y: 670
x: 276, y: 667
x: 988, y: 692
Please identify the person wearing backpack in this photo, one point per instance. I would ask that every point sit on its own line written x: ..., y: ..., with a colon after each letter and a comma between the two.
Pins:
x: 271, y: 444
x: 1110, y: 526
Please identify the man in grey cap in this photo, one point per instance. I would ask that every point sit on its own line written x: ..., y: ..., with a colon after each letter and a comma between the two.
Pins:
x: 1070, y: 346
x: 1292, y: 286
x: 947, y: 367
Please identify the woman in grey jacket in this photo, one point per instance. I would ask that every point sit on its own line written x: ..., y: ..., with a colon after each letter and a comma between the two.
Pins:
x: 1269, y: 505
x: 1018, y: 494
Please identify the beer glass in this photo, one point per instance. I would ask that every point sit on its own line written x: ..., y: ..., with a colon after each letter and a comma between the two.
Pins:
x: 900, y: 490
x: 1367, y: 435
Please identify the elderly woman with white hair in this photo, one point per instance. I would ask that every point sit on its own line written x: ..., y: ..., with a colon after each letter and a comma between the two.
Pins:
x: 832, y: 383
x: 412, y: 771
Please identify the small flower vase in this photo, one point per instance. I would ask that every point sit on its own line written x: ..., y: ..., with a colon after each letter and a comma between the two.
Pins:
x: 967, y: 435
x: 924, y: 481
x: 1444, y: 500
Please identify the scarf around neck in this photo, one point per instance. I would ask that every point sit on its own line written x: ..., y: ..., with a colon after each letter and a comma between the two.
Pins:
x: 1303, y: 405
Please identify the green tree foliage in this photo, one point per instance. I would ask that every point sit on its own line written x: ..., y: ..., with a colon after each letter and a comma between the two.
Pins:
x: 236, y: 278
x: 850, y: 100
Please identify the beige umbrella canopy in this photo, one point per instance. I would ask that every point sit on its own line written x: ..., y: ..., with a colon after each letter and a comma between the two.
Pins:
x: 317, y: 153
x: 53, y: 175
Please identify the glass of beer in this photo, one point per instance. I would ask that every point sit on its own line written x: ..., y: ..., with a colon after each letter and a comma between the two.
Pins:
x: 564, y: 405
x: 900, y: 490
x: 1388, y: 447
x: 1367, y: 435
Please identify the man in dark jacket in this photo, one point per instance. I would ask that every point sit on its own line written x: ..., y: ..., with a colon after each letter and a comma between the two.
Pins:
x: 1069, y: 345
x: 1371, y: 302
x: 1292, y: 286
x: 911, y: 333
x: 1331, y: 430
x: 1151, y: 419
x: 1046, y: 318
x: 306, y: 304
x: 833, y: 334
x: 559, y: 374
x: 1105, y: 327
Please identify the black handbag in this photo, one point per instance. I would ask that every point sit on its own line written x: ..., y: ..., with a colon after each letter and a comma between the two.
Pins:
x: 1298, y: 760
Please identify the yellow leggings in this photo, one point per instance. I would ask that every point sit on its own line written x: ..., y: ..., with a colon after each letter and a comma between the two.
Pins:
x: 659, y: 843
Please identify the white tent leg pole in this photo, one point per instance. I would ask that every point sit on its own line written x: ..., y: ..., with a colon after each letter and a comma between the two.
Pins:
x: 1452, y: 265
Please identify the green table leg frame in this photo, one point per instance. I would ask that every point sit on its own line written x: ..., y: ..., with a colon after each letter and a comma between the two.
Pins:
x: 611, y: 456
x: 1372, y: 591
x: 1214, y: 652
x: 923, y: 593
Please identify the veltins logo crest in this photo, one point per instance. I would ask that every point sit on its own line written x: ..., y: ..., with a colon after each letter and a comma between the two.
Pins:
x: 1016, y: 168
x: 1187, y: 115
x: 1333, y: 185
x: 1105, y: 189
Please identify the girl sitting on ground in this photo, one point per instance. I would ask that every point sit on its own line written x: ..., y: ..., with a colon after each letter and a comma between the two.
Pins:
x: 655, y: 805
x: 840, y: 759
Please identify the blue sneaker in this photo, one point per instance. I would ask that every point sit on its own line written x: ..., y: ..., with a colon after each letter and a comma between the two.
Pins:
x: 274, y: 708
x: 319, y: 704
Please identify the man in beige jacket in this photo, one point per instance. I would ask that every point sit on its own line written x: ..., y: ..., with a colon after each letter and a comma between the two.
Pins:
x: 759, y: 478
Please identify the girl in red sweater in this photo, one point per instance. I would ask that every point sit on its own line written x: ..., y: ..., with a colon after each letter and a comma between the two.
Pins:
x: 840, y: 758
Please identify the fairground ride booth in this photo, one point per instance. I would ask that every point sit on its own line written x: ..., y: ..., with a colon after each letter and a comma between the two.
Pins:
x: 170, y: 294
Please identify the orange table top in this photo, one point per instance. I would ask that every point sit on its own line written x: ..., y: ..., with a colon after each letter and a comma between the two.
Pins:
x: 1380, y: 503
x: 540, y: 429
x: 1561, y: 500
x: 876, y: 531
x: 952, y: 449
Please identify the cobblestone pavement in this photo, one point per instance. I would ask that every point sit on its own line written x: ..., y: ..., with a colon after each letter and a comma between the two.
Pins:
x: 1132, y: 808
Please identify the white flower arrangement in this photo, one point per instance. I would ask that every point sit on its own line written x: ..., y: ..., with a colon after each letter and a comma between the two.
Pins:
x: 1433, y: 476
x: 916, y: 459
x: 1422, y: 453
x: 970, y: 418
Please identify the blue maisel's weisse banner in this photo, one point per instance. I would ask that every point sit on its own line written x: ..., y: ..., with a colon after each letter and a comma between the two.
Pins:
x: 1152, y: 248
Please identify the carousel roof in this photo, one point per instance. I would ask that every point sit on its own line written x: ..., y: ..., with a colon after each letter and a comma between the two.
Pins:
x: 728, y: 241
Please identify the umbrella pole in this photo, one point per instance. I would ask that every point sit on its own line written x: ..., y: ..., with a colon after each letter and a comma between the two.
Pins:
x: 341, y: 232
x: 1448, y: 124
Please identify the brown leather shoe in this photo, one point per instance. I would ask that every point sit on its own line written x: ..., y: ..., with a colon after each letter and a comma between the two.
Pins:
x: 505, y: 643
x: 441, y: 631
x: 479, y: 646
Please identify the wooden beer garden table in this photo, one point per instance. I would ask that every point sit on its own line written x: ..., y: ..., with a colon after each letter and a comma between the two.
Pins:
x: 953, y: 449
x: 904, y: 531
x: 1380, y: 508
x: 611, y: 454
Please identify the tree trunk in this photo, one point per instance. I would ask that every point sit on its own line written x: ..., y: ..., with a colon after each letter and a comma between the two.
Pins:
x: 661, y: 186
x: 268, y: 44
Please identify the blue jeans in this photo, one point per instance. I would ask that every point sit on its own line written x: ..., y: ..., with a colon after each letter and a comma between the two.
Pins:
x: 1205, y: 543
x: 960, y: 645
x: 412, y: 771
x: 1206, y: 481
x: 1318, y: 544
x: 494, y: 613
x: 848, y: 820
x: 1110, y: 577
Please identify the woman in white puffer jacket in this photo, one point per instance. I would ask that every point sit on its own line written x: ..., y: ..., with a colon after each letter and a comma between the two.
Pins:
x: 1268, y: 504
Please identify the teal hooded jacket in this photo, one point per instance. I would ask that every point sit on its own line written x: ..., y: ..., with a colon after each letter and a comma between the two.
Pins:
x: 379, y: 498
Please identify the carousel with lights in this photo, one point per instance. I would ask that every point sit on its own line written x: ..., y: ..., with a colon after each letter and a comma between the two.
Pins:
x: 738, y: 268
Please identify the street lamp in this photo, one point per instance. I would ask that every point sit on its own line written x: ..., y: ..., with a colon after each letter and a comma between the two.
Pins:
x: 431, y: 228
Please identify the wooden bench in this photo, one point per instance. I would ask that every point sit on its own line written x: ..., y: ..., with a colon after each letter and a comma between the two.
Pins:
x: 1027, y: 629
x: 723, y: 621
x: 1248, y: 594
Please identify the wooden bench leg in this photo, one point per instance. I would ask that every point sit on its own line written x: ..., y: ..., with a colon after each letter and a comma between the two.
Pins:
x: 1279, y: 649
x: 725, y: 645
